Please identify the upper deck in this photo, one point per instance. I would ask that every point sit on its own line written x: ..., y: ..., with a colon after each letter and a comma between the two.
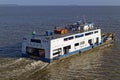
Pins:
x: 55, y: 36
x: 76, y: 28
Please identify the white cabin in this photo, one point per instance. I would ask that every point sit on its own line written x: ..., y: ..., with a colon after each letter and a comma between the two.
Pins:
x: 52, y: 46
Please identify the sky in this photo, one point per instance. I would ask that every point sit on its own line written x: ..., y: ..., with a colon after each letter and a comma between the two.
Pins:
x: 61, y: 2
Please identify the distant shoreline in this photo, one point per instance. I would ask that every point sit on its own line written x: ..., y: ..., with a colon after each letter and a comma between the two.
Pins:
x: 12, y: 5
x: 7, y: 5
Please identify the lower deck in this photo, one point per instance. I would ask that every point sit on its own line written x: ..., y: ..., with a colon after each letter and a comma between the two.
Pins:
x: 39, y: 54
x: 57, y: 48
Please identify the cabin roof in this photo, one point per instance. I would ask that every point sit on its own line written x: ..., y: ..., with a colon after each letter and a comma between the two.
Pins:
x: 55, y: 36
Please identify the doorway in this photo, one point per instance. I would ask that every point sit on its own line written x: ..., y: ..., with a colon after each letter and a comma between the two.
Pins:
x: 35, y: 52
x: 97, y: 40
x: 66, y: 49
x: 90, y: 41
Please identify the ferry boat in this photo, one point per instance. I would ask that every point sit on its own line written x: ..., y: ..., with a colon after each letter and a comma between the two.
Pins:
x: 63, y: 41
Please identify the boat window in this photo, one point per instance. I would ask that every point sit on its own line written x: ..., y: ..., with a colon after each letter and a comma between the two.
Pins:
x: 36, y: 40
x: 68, y: 38
x: 83, y: 42
x: 56, y: 50
x: 80, y: 35
x: 56, y: 53
x: 76, y: 44
x: 96, y: 32
x: 65, y: 39
x: 89, y: 33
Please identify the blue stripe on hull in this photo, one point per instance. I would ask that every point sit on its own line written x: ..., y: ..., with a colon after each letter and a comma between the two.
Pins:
x: 25, y: 55
x: 77, y: 51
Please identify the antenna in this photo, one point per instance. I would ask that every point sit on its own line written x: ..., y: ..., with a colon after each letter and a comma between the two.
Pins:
x: 84, y: 19
x: 76, y: 18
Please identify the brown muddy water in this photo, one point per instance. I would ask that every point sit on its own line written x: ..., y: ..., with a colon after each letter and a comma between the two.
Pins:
x: 101, y: 63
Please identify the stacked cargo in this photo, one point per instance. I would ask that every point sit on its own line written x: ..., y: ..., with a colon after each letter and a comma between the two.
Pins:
x: 60, y: 31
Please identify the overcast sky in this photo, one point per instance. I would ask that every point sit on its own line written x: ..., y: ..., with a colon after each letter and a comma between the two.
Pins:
x: 61, y: 2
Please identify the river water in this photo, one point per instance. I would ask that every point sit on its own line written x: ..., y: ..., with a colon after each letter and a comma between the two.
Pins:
x: 98, y: 64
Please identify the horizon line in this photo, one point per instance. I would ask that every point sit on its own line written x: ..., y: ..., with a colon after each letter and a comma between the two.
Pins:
x: 52, y: 5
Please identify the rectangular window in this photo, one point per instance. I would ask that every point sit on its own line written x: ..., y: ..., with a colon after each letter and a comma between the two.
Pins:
x: 68, y: 38
x: 80, y: 35
x: 96, y: 32
x: 56, y: 50
x: 56, y: 53
x: 76, y: 44
x: 36, y: 40
x: 65, y: 39
x: 89, y: 33
x: 83, y: 42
